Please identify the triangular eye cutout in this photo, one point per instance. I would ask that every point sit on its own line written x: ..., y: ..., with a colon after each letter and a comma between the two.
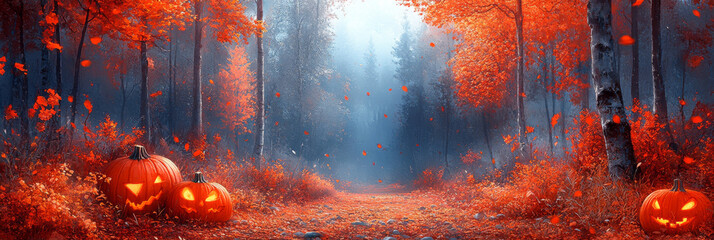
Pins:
x: 691, y: 204
x: 158, y: 179
x: 135, y: 188
x: 213, y: 196
x: 655, y: 205
x: 187, y: 194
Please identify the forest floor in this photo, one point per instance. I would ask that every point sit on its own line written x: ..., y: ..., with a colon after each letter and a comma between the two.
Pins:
x: 371, y: 216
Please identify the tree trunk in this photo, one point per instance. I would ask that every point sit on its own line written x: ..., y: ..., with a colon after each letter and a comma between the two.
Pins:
x: 446, y: 137
x: 635, y: 80
x: 144, y: 117
x: 171, y: 82
x: 545, y: 102
x: 260, y: 96
x: 58, y: 72
x: 660, y: 99
x: 44, y: 59
x: 523, y: 138
x: 485, y: 124
x: 77, y: 62
x: 618, y: 142
x: 123, y: 98
x: 197, y: 123
x: 24, y: 85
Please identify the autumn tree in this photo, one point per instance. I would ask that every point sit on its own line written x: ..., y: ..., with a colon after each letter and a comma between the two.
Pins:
x: 616, y: 128
x: 229, y: 24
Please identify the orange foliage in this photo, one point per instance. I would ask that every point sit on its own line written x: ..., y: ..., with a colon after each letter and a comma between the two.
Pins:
x: 235, y: 86
x: 430, y: 179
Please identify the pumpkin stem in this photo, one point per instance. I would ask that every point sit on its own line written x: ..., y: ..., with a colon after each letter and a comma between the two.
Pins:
x: 678, y: 186
x: 139, y: 153
x: 198, y: 178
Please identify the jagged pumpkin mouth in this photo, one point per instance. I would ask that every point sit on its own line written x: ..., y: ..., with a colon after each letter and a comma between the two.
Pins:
x: 193, y: 210
x: 672, y: 224
x: 147, y: 202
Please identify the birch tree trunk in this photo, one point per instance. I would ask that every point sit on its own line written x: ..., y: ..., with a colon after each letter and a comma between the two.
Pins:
x: 616, y: 129
x: 144, y: 120
x: 260, y: 96
x: 196, y: 122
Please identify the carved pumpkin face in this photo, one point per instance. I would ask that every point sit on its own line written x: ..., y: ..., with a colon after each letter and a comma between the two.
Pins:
x: 200, y: 200
x: 674, y: 211
x: 139, y: 183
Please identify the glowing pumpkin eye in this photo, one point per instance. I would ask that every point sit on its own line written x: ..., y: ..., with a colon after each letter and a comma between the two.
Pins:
x: 187, y: 194
x: 689, y: 205
x: 135, y: 188
x: 213, y: 196
x: 158, y: 179
x: 655, y: 205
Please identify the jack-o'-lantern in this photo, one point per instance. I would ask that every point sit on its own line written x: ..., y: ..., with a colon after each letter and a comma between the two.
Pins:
x: 200, y: 200
x: 674, y: 211
x: 138, y: 184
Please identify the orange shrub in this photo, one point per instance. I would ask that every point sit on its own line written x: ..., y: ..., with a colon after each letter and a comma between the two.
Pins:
x: 430, y: 179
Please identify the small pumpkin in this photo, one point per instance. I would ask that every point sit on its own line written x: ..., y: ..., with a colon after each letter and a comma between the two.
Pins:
x: 139, y: 183
x: 200, y: 200
x: 675, y: 211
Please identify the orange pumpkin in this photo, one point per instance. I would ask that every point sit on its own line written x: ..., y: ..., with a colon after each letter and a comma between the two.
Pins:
x: 139, y: 183
x: 675, y: 211
x: 200, y: 200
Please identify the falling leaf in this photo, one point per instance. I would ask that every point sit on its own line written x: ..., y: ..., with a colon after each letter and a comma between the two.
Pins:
x: 417, y: 144
x: 185, y: 147
x: 347, y: 98
x: 364, y: 152
x: 307, y: 133
x: 95, y: 40
x: 493, y: 161
x: 176, y: 140
x: 21, y: 67
x: 688, y: 160
x: 156, y: 94
x: 70, y: 99
x: 385, y: 115
x: 555, y: 219
x: 196, y: 153
x: 554, y: 119
x: 696, y: 12
x: 276, y: 123
x: 53, y: 46
x: 616, y: 119
x: 529, y: 129
x: 337, y: 180
x: 626, y: 40
x: 404, y: 88
x: 523, y: 94
x: 210, y: 81
x: 431, y: 119
x: 379, y: 145
x: 88, y: 105
x: 86, y: 63
x: 682, y: 102
x: 390, y: 89
x: 10, y: 113
x: 578, y: 194
x: 696, y: 119
x: 432, y: 44
x: 638, y: 2
x: 368, y: 94
x: 442, y: 109
x: 327, y: 155
x: 380, y: 181
x: 277, y: 94
x: 374, y: 164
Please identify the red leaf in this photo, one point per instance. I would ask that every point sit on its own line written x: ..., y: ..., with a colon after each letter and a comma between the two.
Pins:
x: 156, y: 94
x: 432, y: 44
x: 186, y: 146
x: 696, y: 119
x: 95, y: 40
x: 626, y: 40
x: 176, y: 140
x: 88, y: 105
x: 367, y: 93
x: 347, y: 98
x: 379, y: 145
x: 364, y: 152
x: 638, y: 2
x: 85, y: 63
x: 327, y: 155
x: 555, y: 219
x: 10, y: 113
x: 554, y: 120
x: 307, y: 133
x: 688, y: 160
x: 70, y: 99
x: 277, y: 94
x: 696, y: 13
x: 404, y: 88
x: 390, y: 89
x: 578, y: 194
x: 616, y: 119
x: 682, y: 102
